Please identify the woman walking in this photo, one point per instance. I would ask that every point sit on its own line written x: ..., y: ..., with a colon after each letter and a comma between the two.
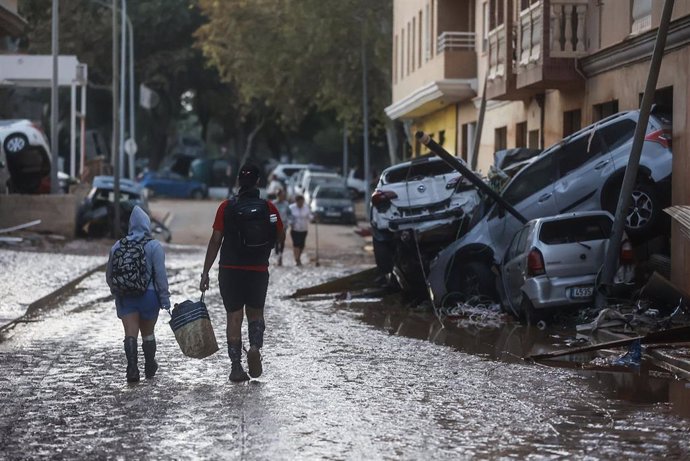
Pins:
x: 136, y: 276
x: 299, y: 218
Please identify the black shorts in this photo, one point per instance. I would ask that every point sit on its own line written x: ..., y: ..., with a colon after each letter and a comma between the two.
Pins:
x: 240, y: 288
x: 298, y: 238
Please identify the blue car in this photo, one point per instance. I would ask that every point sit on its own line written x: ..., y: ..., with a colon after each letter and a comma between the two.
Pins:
x: 170, y: 184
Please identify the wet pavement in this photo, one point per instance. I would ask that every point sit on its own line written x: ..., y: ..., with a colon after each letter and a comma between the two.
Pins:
x: 362, y: 380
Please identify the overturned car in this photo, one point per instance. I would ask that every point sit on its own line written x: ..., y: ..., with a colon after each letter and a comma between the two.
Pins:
x: 418, y: 208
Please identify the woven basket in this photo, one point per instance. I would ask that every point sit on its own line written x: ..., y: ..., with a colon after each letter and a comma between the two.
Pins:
x: 193, y: 331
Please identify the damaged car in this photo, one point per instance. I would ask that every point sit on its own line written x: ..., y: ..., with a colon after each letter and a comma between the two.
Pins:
x: 583, y: 172
x: 25, y: 158
x: 96, y: 215
x: 417, y: 208
x: 553, y: 263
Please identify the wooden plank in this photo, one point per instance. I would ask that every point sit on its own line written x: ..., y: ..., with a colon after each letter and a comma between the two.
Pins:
x: 357, y: 281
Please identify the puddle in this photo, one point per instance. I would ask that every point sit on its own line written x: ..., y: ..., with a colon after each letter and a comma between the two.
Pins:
x: 499, y: 337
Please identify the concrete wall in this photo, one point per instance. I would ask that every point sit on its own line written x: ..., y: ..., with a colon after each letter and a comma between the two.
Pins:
x: 444, y: 119
x: 56, y: 212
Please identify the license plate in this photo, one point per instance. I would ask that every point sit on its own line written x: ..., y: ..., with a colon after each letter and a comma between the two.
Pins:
x: 581, y: 292
x: 332, y: 213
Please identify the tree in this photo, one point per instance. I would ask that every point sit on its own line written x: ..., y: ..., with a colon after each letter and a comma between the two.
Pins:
x: 298, y: 55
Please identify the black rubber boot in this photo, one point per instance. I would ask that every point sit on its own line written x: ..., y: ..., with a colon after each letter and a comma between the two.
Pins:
x: 256, y: 342
x: 237, y: 373
x: 131, y: 352
x: 150, y: 364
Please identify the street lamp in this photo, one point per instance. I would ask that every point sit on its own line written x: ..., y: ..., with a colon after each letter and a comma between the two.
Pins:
x: 54, y: 186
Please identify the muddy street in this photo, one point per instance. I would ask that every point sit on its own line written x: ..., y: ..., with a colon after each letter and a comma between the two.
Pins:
x: 341, y: 381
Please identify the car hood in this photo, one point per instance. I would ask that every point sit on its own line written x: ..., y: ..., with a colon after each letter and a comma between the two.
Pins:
x: 325, y: 202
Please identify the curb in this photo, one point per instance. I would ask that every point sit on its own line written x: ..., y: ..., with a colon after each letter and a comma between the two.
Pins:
x: 47, y: 299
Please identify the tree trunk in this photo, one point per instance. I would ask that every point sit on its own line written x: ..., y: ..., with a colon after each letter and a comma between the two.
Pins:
x: 248, y: 147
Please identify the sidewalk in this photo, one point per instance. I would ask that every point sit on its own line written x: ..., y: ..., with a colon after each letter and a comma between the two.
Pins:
x: 28, y: 276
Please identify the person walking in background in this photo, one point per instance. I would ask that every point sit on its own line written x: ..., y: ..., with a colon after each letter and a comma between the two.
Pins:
x: 245, y: 231
x: 283, y: 207
x: 136, y: 276
x: 274, y: 186
x: 300, y: 216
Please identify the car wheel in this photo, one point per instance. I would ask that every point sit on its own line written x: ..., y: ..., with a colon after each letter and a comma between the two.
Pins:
x: 15, y: 143
x: 197, y: 194
x: 384, y: 252
x: 529, y: 313
x: 474, y: 278
x: 643, y: 214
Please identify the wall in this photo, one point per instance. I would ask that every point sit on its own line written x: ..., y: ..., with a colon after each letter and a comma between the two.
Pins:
x: 57, y: 212
x: 444, y: 119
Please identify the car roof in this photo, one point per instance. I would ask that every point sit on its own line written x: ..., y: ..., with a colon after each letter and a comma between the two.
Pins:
x: 577, y: 214
x: 419, y: 159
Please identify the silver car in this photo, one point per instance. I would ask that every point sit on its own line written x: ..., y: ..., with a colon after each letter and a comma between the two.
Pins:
x: 333, y: 203
x: 553, y: 262
x: 583, y: 172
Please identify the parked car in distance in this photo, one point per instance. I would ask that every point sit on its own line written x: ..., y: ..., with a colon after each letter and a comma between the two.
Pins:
x: 25, y: 158
x: 285, y: 171
x: 170, y: 184
x: 422, y: 201
x: 356, y: 183
x: 333, y: 203
x: 553, y: 263
x: 583, y: 172
x: 313, y: 179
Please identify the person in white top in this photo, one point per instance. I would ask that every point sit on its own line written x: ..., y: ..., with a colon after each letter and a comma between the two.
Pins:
x: 274, y: 186
x: 299, y: 219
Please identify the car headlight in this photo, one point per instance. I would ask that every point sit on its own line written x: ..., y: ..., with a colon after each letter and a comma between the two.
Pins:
x: 349, y: 209
x: 318, y: 209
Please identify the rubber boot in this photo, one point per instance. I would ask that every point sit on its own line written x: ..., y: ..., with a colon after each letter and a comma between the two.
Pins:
x: 237, y: 373
x: 150, y: 364
x: 256, y: 342
x: 131, y: 353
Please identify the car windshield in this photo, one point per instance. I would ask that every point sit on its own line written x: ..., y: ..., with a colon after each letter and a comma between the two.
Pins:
x: 417, y: 171
x: 333, y: 192
x: 316, y: 181
x: 576, y: 229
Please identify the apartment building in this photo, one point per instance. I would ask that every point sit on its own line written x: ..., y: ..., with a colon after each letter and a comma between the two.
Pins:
x: 11, y: 26
x: 547, y: 67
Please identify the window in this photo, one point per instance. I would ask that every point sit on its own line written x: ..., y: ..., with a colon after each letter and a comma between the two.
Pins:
x: 641, y: 19
x: 581, y: 229
x: 413, y: 40
x: 618, y: 133
x: 521, y: 134
x: 409, y: 46
x: 402, y: 54
x: 442, y: 137
x: 419, y: 47
x: 531, y: 180
x: 427, y: 35
x: 572, y: 122
x: 495, y: 14
x: 424, y: 169
x: 467, y: 133
x: 395, y: 59
x: 514, y: 248
x: 500, y: 138
x: 579, y: 151
x: 603, y: 110
x: 432, y: 28
x: 533, y: 140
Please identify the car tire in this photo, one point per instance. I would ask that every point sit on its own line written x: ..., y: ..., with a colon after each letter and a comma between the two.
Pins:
x: 15, y: 143
x: 197, y: 194
x: 530, y: 315
x: 384, y: 254
x: 644, y: 212
x: 474, y: 278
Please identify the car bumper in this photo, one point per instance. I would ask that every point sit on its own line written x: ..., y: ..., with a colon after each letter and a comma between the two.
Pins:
x: 548, y: 292
x: 433, y: 219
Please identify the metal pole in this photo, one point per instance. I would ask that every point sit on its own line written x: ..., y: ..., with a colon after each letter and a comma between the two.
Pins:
x: 478, y: 132
x: 83, y: 129
x: 630, y: 177
x: 73, y: 129
x: 54, y: 186
x: 132, y: 127
x: 365, y: 117
x: 116, y: 128
x: 346, y: 153
x: 123, y: 81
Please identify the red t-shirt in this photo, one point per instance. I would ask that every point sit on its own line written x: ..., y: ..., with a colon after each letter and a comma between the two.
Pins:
x: 219, y: 225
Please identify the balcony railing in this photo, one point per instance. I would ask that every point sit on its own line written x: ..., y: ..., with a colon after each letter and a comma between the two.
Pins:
x: 497, y: 52
x: 568, y: 38
x: 449, y: 41
x: 530, y: 28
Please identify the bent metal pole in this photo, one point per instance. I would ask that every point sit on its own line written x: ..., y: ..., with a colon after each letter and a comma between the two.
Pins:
x: 630, y: 177
x: 467, y: 173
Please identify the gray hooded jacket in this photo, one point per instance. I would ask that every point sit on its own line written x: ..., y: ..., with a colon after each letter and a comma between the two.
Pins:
x: 140, y: 227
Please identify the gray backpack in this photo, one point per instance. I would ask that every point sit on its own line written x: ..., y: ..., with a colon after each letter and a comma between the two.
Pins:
x: 129, y: 274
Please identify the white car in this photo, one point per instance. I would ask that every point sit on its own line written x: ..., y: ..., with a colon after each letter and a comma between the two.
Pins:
x: 25, y: 160
x: 418, y: 207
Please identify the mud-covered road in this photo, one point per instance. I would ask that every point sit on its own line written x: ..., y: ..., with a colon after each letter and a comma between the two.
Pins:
x: 337, y: 385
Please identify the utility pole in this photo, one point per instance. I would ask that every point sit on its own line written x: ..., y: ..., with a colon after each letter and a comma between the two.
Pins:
x: 132, y: 124
x: 123, y: 81
x: 116, y: 128
x: 630, y: 177
x: 365, y: 117
x: 346, y: 153
x: 54, y: 185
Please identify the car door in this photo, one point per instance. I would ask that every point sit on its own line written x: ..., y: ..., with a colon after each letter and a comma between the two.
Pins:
x: 583, y: 165
x: 531, y: 194
x: 512, y: 271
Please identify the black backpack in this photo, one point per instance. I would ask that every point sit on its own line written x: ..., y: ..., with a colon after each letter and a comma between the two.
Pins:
x: 129, y: 274
x: 255, y: 228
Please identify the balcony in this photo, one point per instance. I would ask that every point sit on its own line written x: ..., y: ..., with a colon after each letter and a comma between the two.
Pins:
x: 450, y: 41
x: 545, y: 51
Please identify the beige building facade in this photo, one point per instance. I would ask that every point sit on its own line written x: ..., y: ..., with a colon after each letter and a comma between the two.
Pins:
x: 548, y: 68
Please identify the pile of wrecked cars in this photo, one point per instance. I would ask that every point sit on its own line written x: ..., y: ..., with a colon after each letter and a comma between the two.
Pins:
x: 465, y: 243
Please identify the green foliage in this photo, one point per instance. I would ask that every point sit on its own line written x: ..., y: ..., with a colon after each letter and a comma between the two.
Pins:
x: 299, y: 55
